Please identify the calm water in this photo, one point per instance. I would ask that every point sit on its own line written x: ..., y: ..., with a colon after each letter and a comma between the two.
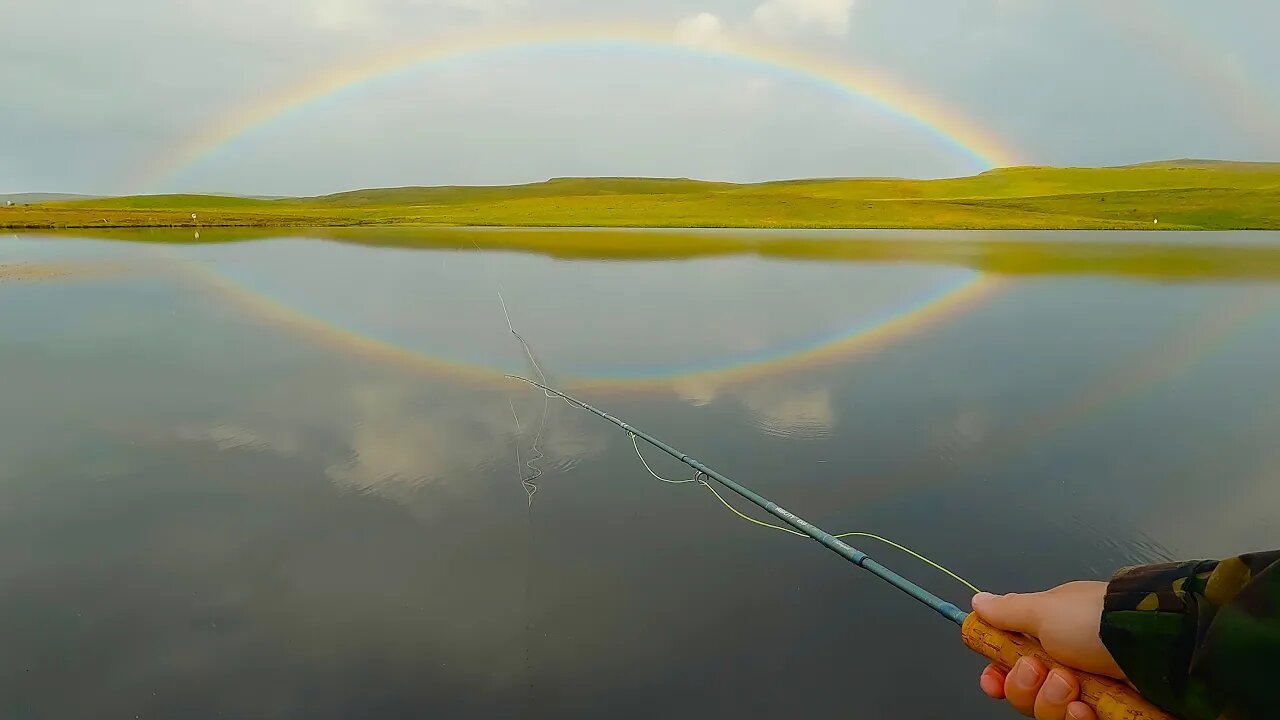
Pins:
x: 278, y: 477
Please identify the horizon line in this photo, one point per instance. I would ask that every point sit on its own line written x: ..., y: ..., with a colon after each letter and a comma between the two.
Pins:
x: 1188, y: 161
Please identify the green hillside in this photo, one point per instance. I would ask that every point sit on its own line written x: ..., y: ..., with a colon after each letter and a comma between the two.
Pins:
x: 1183, y: 194
x: 1238, y: 165
x: 168, y: 202
x: 556, y: 187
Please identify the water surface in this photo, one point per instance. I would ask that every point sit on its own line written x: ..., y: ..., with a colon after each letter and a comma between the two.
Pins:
x: 258, y: 476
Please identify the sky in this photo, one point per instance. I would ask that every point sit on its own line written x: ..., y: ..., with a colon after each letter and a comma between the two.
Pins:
x: 267, y: 96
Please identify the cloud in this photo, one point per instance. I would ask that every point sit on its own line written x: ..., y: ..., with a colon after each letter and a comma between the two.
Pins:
x: 490, y: 8
x: 224, y: 55
x: 338, y: 15
x: 704, y: 30
x: 782, y: 17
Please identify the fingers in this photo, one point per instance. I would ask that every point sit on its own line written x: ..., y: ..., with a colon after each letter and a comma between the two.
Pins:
x: 1035, y: 691
x: 1023, y: 684
x: 992, y: 682
x: 1079, y: 711
x: 1060, y: 689
x: 1017, y: 612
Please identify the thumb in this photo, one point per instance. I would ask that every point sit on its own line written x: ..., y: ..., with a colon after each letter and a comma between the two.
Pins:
x: 1015, y: 611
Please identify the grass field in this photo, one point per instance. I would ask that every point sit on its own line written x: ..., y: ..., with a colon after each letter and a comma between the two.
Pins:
x: 1186, y: 195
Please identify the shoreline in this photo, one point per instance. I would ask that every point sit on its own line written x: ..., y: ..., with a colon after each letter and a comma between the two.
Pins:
x: 1193, y: 195
x: 18, y: 227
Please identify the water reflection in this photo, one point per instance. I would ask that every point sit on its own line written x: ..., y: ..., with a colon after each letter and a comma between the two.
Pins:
x: 209, y: 507
x: 802, y: 413
x: 640, y: 328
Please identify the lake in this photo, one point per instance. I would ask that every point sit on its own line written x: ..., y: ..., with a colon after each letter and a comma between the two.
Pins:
x: 249, y: 474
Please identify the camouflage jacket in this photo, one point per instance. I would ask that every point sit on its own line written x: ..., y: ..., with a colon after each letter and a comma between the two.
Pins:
x: 1200, y: 639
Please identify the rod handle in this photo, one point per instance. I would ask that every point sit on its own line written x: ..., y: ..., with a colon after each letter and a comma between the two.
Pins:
x: 1110, y: 699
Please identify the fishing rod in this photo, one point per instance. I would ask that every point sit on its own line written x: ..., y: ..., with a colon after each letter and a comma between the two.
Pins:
x: 1110, y: 699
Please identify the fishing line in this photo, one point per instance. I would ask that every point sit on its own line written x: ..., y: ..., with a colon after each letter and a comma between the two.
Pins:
x: 697, y: 477
x: 530, y: 481
x: 519, y: 430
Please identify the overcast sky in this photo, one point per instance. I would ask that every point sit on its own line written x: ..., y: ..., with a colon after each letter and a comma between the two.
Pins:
x: 100, y: 97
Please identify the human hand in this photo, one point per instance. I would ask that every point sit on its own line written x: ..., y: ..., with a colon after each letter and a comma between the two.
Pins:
x: 1065, y: 621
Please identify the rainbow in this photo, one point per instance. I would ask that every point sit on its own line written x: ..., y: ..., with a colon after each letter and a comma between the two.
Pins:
x: 947, y: 125
x: 868, y: 337
x: 1176, y: 39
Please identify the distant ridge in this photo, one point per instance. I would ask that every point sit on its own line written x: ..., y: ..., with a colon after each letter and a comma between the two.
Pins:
x: 247, y: 197
x: 1234, y: 165
x: 623, y: 185
x: 1179, y: 164
x: 29, y: 198
x: 576, y: 186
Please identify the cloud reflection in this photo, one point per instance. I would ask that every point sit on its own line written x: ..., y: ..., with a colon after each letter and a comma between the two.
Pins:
x: 380, y: 437
x: 786, y: 412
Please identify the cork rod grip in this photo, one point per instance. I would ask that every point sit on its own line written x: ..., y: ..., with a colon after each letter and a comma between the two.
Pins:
x: 1110, y: 699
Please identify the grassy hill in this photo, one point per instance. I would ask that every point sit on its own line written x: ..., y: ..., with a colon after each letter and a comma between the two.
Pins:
x: 1239, y: 165
x: 188, y: 203
x: 1181, y: 194
x: 556, y: 187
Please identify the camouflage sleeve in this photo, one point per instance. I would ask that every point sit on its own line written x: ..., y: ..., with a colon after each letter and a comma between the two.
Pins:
x: 1200, y: 639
